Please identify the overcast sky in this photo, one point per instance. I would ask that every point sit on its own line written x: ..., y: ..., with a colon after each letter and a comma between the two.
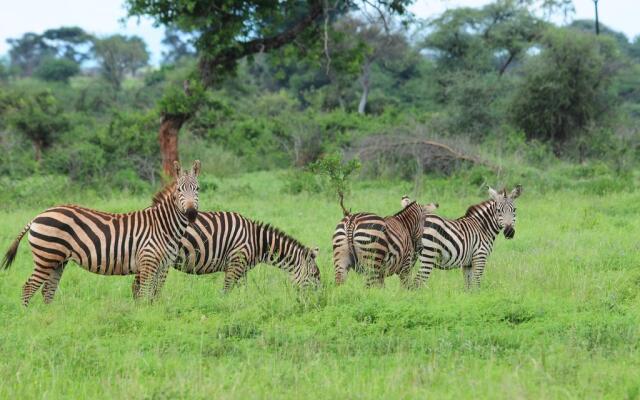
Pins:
x: 104, y: 17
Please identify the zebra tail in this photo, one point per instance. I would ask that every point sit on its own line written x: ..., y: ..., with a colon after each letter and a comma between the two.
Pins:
x: 13, y: 249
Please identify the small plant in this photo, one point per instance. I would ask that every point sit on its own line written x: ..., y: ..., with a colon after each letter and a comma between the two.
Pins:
x: 338, y: 173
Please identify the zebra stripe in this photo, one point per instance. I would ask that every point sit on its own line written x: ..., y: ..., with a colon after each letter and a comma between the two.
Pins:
x: 230, y: 243
x: 379, y: 246
x: 142, y: 242
x: 467, y: 241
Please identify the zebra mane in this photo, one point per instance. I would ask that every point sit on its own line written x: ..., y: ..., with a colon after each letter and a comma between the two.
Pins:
x: 277, y: 231
x: 476, y: 208
x: 404, y: 209
x: 163, y: 193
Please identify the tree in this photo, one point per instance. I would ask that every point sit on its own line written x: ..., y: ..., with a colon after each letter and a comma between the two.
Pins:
x: 178, y: 47
x: 28, y: 51
x: 118, y: 55
x: 487, y: 39
x: 71, y: 43
x: 226, y: 31
x: 39, y: 117
x: 566, y: 87
x: 57, y: 69
x: 377, y: 43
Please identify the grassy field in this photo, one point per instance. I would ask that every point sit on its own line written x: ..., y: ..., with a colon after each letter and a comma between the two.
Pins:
x: 557, y: 316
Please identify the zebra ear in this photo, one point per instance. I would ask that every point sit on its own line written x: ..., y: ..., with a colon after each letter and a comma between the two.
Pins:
x: 196, y: 168
x: 405, y: 201
x: 176, y: 169
x: 516, y: 192
x: 494, y: 194
x: 314, y: 252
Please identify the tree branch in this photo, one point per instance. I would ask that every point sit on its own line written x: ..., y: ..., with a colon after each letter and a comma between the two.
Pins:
x: 226, y: 59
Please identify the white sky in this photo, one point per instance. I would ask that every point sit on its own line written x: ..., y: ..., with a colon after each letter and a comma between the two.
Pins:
x: 104, y: 17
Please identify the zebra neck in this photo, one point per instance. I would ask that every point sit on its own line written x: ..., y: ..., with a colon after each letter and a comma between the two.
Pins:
x: 278, y: 250
x: 487, y: 216
x: 170, y: 219
x: 411, y: 219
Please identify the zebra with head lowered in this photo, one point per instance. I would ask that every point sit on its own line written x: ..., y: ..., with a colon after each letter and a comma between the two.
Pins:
x: 230, y: 243
x: 467, y: 241
x: 380, y: 246
x: 143, y: 242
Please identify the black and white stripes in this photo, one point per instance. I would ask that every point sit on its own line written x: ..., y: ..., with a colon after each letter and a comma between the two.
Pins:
x: 142, y: 242
x: 230, y: 243
x: 379, y: 246
x: 466, y: 242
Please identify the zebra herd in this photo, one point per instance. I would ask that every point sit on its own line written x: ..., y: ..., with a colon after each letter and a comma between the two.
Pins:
x: 173, y: 233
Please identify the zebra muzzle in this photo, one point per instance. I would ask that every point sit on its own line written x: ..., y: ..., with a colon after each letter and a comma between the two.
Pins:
x: 509, y: 232
x: 191, y: 213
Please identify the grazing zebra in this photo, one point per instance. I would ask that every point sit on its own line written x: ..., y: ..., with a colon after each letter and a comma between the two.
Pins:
x: 467, y: 241
x: 142, y: 242
x: 230, y: 243
x: 381, y: 246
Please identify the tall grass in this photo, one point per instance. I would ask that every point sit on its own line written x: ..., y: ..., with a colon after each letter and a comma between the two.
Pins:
x: 557, y: 315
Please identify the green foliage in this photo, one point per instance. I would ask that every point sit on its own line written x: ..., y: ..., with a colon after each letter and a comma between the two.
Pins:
x: 28, y: 51
x: 337, y: 171
x: 118, y: 54
x: 39, y: 117
x: 177, y: 101
x: 566, y: 88
x: 57, y: 70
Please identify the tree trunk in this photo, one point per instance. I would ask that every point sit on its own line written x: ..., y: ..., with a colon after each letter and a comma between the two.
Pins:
x: 366, y: 70
x: 168, y: 137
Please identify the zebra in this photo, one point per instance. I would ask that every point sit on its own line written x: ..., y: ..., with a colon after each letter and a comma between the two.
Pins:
x: 381, y: 246
x: 230, y: 243
x: 467, y: 241
x: 141, y: 242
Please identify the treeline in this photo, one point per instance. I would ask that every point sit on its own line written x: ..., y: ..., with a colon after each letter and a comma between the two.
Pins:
x: 487, y: 81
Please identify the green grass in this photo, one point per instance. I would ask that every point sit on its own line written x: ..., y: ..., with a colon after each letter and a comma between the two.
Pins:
x: 557, y: 315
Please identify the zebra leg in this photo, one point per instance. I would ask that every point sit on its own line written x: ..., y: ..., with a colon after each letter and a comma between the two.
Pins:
x: 236, y: 269
x: 148, y: 278
x: 51, y: 284
x: 160, y: 278
x: 467, y: 272
x: 479, y: 262
x: 374, y: 269
x: 135, y: 286
x: 342, y: 261
x: 405, y: 279
x: 41, y: 274
x: 427, y: 262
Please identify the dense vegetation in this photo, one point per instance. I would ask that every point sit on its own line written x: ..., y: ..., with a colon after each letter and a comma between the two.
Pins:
x: 500, y: 85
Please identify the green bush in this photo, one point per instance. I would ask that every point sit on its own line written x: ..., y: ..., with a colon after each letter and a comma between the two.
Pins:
x: 57, y: 69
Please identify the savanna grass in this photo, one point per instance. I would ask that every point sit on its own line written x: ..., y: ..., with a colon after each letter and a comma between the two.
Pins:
x: 557, y: 315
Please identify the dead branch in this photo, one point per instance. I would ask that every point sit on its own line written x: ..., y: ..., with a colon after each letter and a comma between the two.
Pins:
x: 427, y: 153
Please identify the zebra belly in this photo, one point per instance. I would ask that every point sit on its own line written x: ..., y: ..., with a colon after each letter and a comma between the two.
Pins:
x: 57, y: 242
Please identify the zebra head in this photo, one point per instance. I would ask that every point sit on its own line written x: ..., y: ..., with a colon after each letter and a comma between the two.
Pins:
x: 426, y: 208
x: 186, y: 194
x: 310, y: 273
x: 505, y: 209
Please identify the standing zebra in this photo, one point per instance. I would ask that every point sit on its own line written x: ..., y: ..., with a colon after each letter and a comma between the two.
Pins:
x: 229, y: 242
x: 381, y: 246
x: 467, y: 241
x: 142, y: 242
